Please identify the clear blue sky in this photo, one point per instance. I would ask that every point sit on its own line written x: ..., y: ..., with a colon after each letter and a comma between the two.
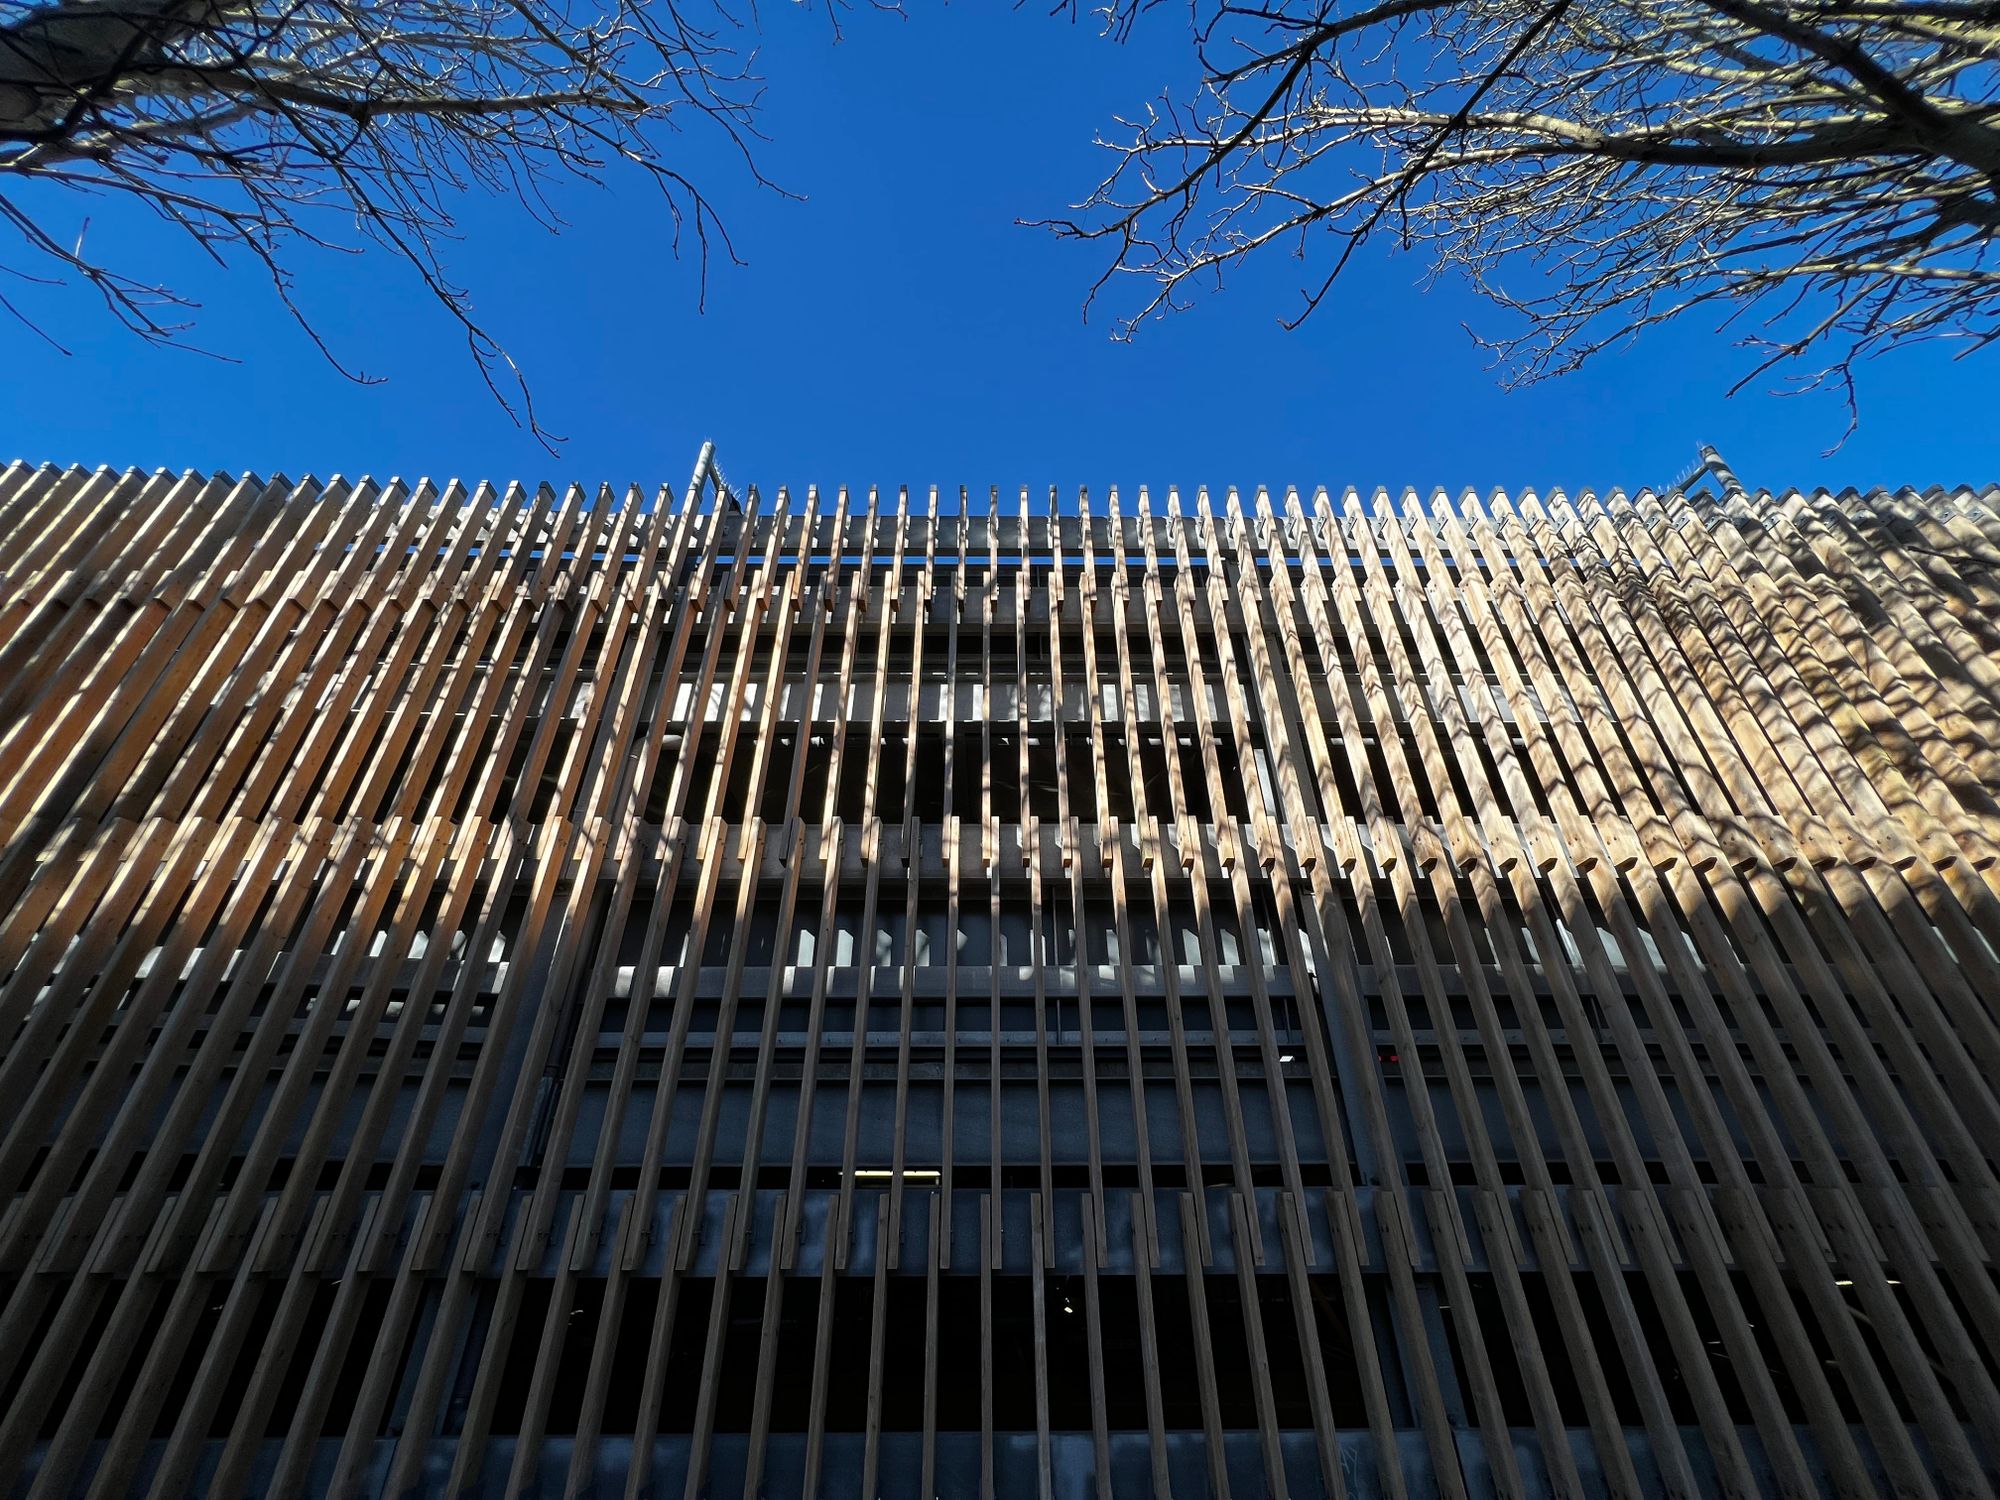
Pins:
x: 898, y: 327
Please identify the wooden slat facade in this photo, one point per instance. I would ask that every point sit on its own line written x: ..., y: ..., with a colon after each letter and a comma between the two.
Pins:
x: 688, y: 994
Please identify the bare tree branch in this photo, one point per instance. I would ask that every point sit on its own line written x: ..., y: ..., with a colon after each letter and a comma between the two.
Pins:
x: 1823, y: 175
x: 260, y: 126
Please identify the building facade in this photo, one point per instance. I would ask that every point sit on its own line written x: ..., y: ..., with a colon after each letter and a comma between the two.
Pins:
x: 511, y: 992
